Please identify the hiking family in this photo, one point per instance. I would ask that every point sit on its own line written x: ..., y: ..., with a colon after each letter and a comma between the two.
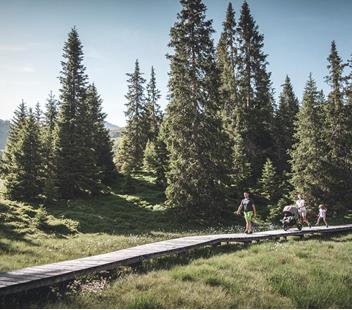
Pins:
x: 250, y: 212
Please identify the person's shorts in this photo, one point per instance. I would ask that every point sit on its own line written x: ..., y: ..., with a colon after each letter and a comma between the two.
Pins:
x: 303, y: 212
x: 248, y: 215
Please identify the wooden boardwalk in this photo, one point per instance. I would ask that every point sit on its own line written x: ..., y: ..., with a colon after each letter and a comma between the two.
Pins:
x: 45, y: 275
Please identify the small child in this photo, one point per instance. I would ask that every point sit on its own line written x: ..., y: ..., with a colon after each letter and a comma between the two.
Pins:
x: 322, y: 214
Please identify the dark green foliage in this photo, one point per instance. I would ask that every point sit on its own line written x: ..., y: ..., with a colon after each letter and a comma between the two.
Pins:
x: 101, y: 142
x: 241, y: 167
x: 23, y: 179
x: 155, y: 152
x: 8, y: 160
x: 309, y: 153
x: 76, y: 169
x: 50, y: 189
x: 284, y: 125
x: 160, y: 158
x: 134, y: 138
x: 153, y: 112
x: 226, y: 62
x: 269, y: 186
x: 337, y: 137
x: 254, y: 91
x: 193, y: 136
x: 150, y: 157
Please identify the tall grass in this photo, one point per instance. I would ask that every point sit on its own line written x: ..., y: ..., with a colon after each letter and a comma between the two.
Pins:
x: 314, y: 273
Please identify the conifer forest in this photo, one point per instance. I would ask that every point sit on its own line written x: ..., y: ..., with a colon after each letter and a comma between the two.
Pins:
x: 221, y: 133
x: 80, y: 196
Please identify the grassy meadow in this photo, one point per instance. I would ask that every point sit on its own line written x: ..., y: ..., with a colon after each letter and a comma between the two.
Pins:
x: 310, y: 273
x: 33, y: 235
x: 313, y: 273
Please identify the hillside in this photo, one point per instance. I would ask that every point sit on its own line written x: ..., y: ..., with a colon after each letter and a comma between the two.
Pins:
x: 4, y: 130
x: 115, y: 131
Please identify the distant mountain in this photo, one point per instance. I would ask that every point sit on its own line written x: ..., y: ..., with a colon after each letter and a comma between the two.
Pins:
x: 115, y: 131
x: 4, y: 131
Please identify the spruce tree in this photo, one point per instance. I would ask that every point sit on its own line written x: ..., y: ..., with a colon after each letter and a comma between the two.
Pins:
x: 284, y: 125
x: 24, y: 177
x: 101, y: 141
x: 254, y: 91
x: 193, y: 136
x: 9, y: 168
x: 348, y: 93
x: 150, y: 157
x: 269, y: 183
x: 226, y: 60
x: 134, y: 138
x: 49, y: 152
x: 241, y: 171
x: 153, y: 112
x: 308, y: 153
x: 76, y: 169
x: 337, y: 136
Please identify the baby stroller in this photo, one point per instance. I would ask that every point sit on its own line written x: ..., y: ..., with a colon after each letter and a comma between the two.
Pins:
x: 291, y: 218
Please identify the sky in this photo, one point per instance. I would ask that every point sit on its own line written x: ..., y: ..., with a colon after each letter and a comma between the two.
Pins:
x: 114, y: 33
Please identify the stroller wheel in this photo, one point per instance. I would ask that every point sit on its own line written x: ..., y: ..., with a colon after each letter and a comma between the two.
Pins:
x: 285, y: 227
x: 299, y: 226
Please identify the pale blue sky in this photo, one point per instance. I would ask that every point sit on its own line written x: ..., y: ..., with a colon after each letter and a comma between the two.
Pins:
x: 297, y: 34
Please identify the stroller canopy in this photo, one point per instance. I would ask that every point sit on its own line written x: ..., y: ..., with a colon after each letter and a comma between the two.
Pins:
x: 291, y: 209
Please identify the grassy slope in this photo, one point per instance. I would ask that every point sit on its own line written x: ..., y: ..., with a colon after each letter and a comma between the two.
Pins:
x: 313, y: 273
x: 30, y: 235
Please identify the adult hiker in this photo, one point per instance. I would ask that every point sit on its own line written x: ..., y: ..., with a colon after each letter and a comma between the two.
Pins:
x: 249, y: 212
x: 302, y: 210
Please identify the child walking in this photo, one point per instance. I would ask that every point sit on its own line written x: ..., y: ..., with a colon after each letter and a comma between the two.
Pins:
x: 322, y: 214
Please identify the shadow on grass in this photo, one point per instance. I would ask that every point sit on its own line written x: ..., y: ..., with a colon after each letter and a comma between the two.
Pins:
x: 9, y: 230
x: 134, y: 206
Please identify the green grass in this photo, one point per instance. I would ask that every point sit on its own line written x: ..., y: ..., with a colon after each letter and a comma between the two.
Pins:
x: 131, y: 214
x: 314, y: 273
x: 310, y: 273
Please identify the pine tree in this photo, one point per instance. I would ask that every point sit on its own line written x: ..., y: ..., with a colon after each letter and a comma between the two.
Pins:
x: 348, y: 94
x: 308, y: 153
x: 337, y: 136
x: 10, y: 154
x: 269, y: 183
x: 153, y: 112
x: 226, y: 60
x: 254, y: 91
x: 24, y: 179
x: 49, y: 154
x: 241, y: 167
x: 76, y: 169
x: 150, y: 157
x: 102, y: 143
x: 284, y: 123
x: 134, y: 138
x: 193, y: 133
